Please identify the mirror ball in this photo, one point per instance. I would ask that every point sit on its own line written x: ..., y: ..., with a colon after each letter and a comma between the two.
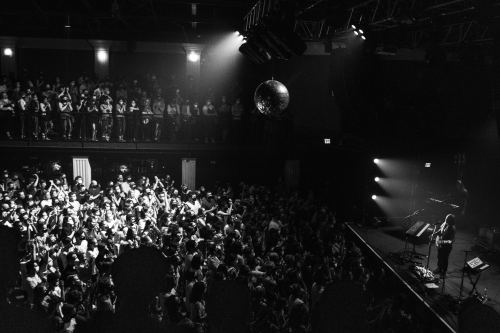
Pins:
x: 271, y: 98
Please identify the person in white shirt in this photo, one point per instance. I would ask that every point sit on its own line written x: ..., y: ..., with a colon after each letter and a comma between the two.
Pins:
x: 73, y: 202
x: 193, y: 204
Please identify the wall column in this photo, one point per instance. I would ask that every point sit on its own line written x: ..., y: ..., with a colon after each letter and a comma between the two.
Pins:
x: 193, y: 68
x: 8, y: 57
x: 101, y: 58
x: 189, y: 172
x: 292, y: 173
x: 81, y: 167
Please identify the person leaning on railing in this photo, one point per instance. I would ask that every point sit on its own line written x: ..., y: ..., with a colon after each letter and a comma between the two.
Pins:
x: 66, y: 110
x: 33, y: 111
x: 186, y: 120
x: 45, y: 117
x: 132, y: 118
x: 6, y: 115
x: 120, y: 111
x: 106, y: 109
x: 22, y: 105
x: 92, y: 112
x: 172, y: 120
x: 158, y: 117
x: 146, y: 120
x: 80, y: 119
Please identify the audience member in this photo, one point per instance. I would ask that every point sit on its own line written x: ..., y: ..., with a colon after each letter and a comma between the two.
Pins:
x: 146, y: 255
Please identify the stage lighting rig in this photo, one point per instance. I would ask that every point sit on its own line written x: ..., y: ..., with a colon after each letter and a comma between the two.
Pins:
x: 269, y: 32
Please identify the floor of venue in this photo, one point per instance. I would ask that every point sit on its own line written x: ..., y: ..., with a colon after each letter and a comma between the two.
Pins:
x: 388, y: 241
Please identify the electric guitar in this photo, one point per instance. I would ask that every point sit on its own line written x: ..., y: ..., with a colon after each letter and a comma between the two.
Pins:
x: 440, y: 242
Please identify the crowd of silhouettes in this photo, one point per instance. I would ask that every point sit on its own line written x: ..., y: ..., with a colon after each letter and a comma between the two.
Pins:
x: 146, y: 255
x: 151, y: 109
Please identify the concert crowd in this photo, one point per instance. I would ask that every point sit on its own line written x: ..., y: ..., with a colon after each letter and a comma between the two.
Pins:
x: 284, y: 247
x: 146, y: 110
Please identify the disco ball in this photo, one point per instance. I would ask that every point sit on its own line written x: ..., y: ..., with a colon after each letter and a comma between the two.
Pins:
x: 271, y: 98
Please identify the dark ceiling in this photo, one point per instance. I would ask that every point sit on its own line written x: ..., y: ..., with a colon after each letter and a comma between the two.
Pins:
x: 409, y: 22
x: 179, y: 20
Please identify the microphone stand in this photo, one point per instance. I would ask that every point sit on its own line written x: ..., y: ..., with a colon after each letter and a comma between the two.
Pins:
x: 430, y: 246
x: 463, y: 274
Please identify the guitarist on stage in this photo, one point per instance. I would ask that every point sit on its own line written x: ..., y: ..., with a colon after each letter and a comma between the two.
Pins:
x: 444, y: 242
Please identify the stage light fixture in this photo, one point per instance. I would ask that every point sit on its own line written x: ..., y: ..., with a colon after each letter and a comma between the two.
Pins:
x: 361, y: 31
x: 327, y: 141
x: 273, y: 39
x: 8, y: 52
x: 374, y: 197
x: 376, y: 160
x: 193, y: 56
x: 353, y: 26
x: 377, y: 179
x: 363, y: 37
x: 252, y: 51
x: 102, y: 56
x: 356, y: 33
x: 428, y: 164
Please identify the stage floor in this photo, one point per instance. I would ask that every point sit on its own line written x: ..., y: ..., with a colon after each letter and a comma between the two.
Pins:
x: 389, y: 240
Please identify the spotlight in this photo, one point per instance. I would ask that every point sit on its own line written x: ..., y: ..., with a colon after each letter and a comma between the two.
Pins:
x: 377, y: 179
x: 361, y: 31
x: 428, y: 164
x: 353, y: 26
x: 355, y: 33
x: 376, y: 160
x: 102, y: 56
x: 327, y: 141
x: 374, y: 197
x: 363, y: 37
x: 8, y: 52
x: 193, y: 56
